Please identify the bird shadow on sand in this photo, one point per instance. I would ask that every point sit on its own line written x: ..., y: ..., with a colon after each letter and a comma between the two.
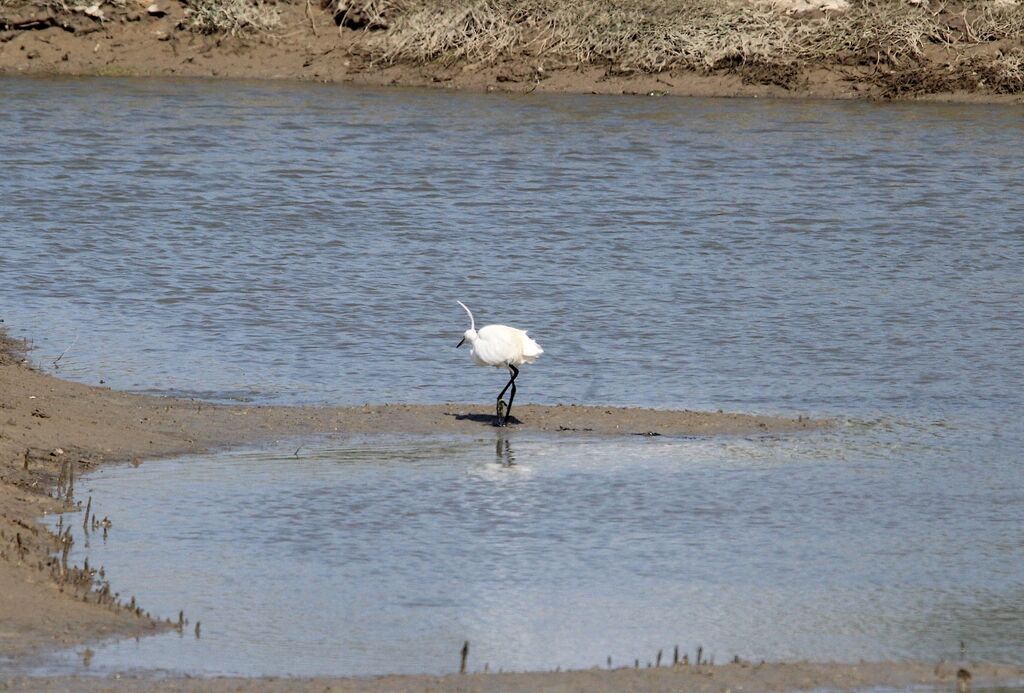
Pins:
x: 483, y: 418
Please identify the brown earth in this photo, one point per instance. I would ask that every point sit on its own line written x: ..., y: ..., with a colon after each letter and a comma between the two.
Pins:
x: 43, y: 38
x: 745, y: 676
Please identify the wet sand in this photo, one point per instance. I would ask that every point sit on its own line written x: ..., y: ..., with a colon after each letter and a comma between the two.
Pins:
x: 48, y: 425
x: 703, y: 679
x: 37, y: 39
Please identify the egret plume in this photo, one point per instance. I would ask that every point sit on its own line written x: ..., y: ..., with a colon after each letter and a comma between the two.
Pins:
x: 472, y: 322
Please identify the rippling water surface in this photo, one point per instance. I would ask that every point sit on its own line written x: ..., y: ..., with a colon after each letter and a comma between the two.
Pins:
x: 299, y: 243
x: 385, y: 554
x: 306, y: 243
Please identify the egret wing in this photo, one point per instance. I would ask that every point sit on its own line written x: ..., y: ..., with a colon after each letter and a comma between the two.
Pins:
x: 500, y: 345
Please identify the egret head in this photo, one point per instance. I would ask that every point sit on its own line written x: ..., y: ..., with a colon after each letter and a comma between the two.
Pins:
x: 470, y: 334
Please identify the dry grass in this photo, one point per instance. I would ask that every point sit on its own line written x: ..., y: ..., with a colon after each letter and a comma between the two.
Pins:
x: 988, y: 21
x: 656, y: 35
x: 888, y: 33
x: 1000, y: 74
x: 647, y: 36
x: 61, y: 6
x: 202, y: 16
x: 231, y: 16
x: 1003, y: 74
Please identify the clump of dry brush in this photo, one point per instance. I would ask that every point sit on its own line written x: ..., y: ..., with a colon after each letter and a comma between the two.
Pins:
x: 704, y: 35
x: 231, y: 16
x: 202, y: 16
x: 1002, y: 73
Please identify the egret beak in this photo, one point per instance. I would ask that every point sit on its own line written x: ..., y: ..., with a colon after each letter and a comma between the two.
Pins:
x: 460, y: 342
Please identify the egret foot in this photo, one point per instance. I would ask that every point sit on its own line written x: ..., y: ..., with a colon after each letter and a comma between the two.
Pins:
x: 502, y: 414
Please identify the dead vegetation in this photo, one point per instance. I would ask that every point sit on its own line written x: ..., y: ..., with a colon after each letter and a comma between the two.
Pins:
x: 889, y: 48
x: 760, y: 42
x: 1000, y: 74
x: 232, y: 17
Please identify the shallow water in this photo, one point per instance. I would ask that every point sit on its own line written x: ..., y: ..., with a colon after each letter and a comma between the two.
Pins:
x: 300, y: 243
x: 365, y: 556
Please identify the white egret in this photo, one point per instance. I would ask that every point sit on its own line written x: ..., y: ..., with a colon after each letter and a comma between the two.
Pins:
x: 500, y: 346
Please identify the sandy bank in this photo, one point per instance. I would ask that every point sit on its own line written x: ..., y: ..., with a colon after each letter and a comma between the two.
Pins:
x: 889, y: 49
x: 704, y: 679
x: 51, y: 429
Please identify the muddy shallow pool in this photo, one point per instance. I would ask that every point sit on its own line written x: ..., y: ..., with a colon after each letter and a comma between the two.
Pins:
x: 383, y: 554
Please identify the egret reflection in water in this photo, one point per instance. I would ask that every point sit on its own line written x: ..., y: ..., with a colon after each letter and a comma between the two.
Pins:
x: 503, y: 451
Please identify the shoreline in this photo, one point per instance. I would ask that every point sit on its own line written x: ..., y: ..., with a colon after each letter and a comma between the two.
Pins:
x: 52, y: 428
x: 705, y: 678
x: 307, y: 45
x: 48, y: 425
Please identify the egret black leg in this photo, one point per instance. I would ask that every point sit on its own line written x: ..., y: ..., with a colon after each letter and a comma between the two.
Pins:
x: 512, y: 395
x: 502, y: 416
x: 507, y: 385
